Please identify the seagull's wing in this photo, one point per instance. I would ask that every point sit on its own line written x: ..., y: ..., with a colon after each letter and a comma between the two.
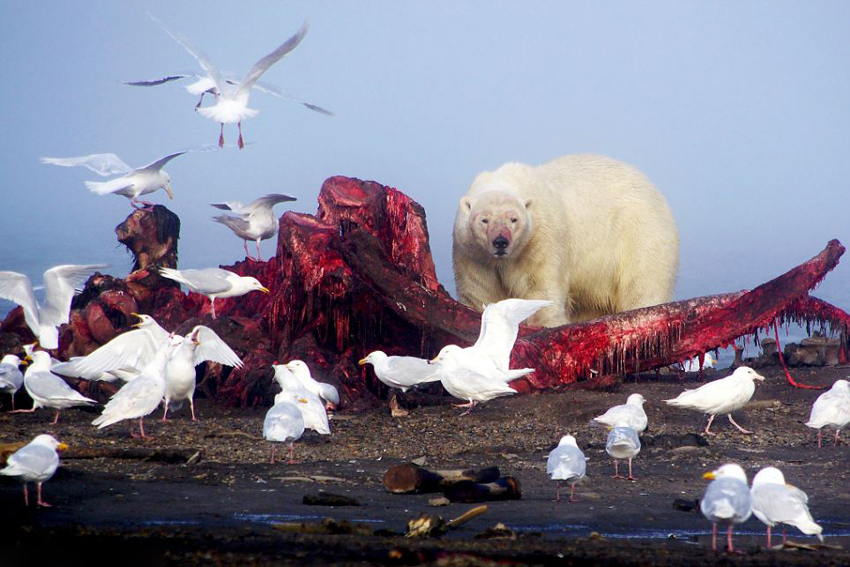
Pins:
x: 261, y: 66
x: 132, y: 349
x: 235, y: 206
x: 155, y: 82
x: 236, y: 224
x: 212, y: 348
x: 32, y: 460
x: 500, y: 326
x: 275, y: 90
x: 18, y: 288
x: 408, y: 371
x: 209, y: 280
x: 204, y: 61
x: 102, y: 164
x: 60, y: 284
x: 268, y: 201
x: 160, y: 163
x: 48, y: 386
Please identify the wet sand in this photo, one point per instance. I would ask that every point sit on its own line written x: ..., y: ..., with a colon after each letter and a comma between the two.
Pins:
x: 221, y: 507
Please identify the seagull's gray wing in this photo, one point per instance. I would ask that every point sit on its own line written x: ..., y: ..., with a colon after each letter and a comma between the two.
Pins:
x: 158, y: 164
x: 236, y: 224
x: 208, y: 280
x: 51, y: 387
x: 156, y: 82
x: 261, y: 66
x: 204, y: 61
x: 102, y: 164
x: 133, y: 349
x: 18, y: 288
x: 235, y: 206
x: 274, y: 90
x: 212, y: 348
x: 33, y: 461
x: 60, y: 284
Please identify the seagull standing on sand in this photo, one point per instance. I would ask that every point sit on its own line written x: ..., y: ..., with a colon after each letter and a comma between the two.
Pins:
x: 283, y: 423
x: 60, y: 283
x: 566, y: 463
x: 630, y: 414
x: 401, y: 372
x: 200, y: 345
x: 309, y: 404
x: 232, y: 100
x: 48, y: 390
x: 35, y: 462
x: 327, y: 392
x: 132, y: 184
x: 775, y: 502
x: 469, y: 385
x: 141, y: 396
x: 721, y: 396
x: 727, y: 499
x: 11, y: 377
x: 214, y: 283
x: 256, y: 220
x: 831, y: 409
x: 623, y: 443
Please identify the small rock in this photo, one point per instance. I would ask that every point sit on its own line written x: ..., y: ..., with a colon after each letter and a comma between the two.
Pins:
x: 684, y: 505
x: 420, y: 461
x: 441, y: 501
x: 328, y: 499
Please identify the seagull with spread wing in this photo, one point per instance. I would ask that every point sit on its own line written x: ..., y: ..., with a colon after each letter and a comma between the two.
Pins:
x: 232, y: 100
x: 60, y: 283
x: 255, y: 221
x: 132, y: 184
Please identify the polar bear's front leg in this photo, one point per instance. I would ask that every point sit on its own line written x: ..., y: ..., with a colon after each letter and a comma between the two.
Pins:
x: 541, y: 281
x: 477, y: 285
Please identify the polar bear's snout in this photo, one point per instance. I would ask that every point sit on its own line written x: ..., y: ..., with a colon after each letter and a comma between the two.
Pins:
x: 500, y: 245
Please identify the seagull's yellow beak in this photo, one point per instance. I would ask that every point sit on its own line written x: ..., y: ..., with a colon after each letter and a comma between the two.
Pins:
x: 709, y: 476
x: 362, y: 361
x: 265, y: 290
x: 61, y: 446
x: 168, y: 190
x: 134, y: 314
x: 303, y: 400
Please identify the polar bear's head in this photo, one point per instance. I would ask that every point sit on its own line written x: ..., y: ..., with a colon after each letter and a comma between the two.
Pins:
x: 498, y: 221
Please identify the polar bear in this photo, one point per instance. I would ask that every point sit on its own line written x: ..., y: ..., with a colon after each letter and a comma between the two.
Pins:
x: 588, y: 232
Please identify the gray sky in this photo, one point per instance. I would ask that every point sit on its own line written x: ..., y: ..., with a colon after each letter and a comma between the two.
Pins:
x: 738, y: 111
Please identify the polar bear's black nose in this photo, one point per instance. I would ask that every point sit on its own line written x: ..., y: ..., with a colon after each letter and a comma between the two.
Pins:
x: 500, y: 243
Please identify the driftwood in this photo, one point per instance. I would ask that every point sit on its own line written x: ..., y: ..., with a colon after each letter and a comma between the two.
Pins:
x: 409, y: 478
x: 505, y: 488
x: 358, y: 276
x: 427, y: 525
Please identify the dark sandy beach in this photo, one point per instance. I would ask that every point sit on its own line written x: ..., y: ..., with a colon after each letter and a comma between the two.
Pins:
x: 221, y: 506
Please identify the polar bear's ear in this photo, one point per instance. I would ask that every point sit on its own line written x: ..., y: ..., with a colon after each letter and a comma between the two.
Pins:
x: 527, y: 203
x: 465, y: 204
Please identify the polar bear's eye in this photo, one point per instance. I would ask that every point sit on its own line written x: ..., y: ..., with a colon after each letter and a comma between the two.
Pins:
x: 514, y: 220
x: 485, y: 221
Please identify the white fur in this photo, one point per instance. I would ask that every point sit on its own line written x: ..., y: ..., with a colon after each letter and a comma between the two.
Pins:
x: 587, y: 232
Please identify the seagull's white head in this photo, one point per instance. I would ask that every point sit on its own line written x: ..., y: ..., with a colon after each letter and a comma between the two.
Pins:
x: 253, y: 284
x: 729, y: 470
x: 49, y: 441
x: 769, y: 475
x: 40, y: 360
x: 373, y: 358
x: 568, y: 440
x: 298, y: 367
x: 841, y: 386
x: 11, y: 359
x: 166, y: 184
x: 747, y: 372
x: 636, y: 400
x: 144, y: 321
x: 447, y: 354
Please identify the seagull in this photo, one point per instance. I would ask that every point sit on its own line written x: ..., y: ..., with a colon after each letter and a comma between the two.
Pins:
x: 214, y: 283
x: 256, y: 220
x: 232, y: 100
x: 35, y: 462
x: 60, y: 283
x: 325, y: 391
x: 831, y: 409
x: 200, y: 345
x: 566, y: 463
x: 11, y: 377
x: 284, y: 423
x: 469, y: 385
x: 630, y: 414
x: 141, y: 396
x: 48, y: 390
x: 727, y: 499
x: 121, y: 358
x: 401, y: 372
x: 775, y: 502
x: 721, y: 396
x: 622, y: 443
x: 309, y: 404
x: 132, y: 184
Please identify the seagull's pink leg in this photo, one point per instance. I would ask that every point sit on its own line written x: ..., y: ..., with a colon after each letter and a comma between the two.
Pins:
x: 55, y: 419
x: 784, y: 535
x: 729, y: 546
x: 247, y: 254
x: 192, y: 408
x: 708, y: 426
x: 572, y: 492
x: 837, y: 431
x: 292, y: 453
x: 714, y: 536
x: 241, y: 143
x: 472, y: 405
x: 221, y: 136
x: 32, y: 409
x: 557, y: 491
x: 212, y: 307
x: 259, y: 258
x: 133, y: 434
x: 142, y: 429
x: 768, y: 537
x: 26, y: 496
x: 273, y: 452
x: 630, y: 477
x: 40, y: 501
x: 165, y: 411
x: 13, y: 402
x: 741, y: 429
x: 616, y: 470
x: 820, y: 437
